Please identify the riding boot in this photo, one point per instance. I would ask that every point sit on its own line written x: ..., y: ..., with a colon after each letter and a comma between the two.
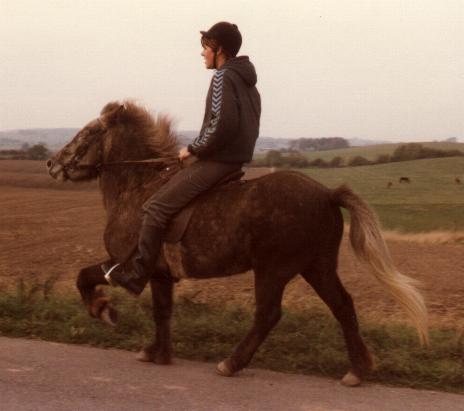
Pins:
x: 135, y: 275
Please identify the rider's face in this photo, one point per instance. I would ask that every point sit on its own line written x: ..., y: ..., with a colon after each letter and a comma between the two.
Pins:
x: 208, y: 55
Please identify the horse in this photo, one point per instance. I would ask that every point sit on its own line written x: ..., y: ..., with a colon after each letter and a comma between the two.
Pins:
x: 457, y: 180
x: 389, y: 184
x: 404, y: 180
x: 279, y: 225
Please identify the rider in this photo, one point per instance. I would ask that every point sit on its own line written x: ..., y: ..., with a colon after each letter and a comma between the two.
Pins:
x: 226, y: 141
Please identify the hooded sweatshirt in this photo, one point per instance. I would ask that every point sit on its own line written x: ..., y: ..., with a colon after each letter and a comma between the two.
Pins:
x: 233, y: 109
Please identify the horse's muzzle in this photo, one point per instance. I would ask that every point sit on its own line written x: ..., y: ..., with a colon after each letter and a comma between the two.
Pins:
x: 54, y: 169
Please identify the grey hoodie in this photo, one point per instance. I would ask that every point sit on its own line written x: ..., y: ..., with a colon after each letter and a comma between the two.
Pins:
x: 233, y: 109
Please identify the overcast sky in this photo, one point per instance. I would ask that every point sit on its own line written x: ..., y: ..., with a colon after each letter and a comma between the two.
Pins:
x: 377, y: 69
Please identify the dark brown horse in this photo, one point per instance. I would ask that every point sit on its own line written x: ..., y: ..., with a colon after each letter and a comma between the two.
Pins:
x: 279, y: 226
x: 404, y: 180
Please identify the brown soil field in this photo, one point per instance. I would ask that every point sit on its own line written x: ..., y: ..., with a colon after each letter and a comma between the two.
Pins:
x: 49, y: 228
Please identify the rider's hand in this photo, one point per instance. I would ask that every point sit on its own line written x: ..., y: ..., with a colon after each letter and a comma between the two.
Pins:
x: 184, y: 153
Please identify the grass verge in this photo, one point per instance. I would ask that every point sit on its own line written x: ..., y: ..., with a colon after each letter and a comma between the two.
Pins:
x: 308, y: 342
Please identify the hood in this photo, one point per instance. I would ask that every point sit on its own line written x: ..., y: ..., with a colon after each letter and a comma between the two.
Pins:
x: 244, y: 67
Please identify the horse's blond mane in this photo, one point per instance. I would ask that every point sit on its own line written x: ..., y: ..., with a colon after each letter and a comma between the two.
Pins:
x: 154, y: 130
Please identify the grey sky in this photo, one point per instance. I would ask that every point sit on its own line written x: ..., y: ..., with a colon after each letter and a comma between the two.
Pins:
x: 384, y: 69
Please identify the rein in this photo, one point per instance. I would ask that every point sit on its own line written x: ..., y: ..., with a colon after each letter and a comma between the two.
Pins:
x: 160, y: 160
x: 166, y: 162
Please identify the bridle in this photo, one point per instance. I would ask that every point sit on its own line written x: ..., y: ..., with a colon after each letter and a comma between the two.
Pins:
x: 95, y: 169
x: 81, y: 151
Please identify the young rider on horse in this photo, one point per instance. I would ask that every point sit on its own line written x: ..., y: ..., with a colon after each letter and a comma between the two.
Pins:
x: 226, y: 141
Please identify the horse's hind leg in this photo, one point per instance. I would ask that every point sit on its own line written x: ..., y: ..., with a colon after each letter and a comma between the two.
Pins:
x: 326, y: 283
x: 95, y: 300
x: 160, y: 351
x: 268, y: 292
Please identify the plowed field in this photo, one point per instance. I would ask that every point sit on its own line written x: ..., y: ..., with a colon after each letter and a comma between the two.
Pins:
x: 47, y: 229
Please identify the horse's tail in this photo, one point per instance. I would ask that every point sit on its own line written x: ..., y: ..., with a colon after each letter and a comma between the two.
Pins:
x: 370, y: 247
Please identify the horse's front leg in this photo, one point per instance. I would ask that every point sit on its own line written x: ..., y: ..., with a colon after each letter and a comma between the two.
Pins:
x: 160, y: 351
x: 95, y: 300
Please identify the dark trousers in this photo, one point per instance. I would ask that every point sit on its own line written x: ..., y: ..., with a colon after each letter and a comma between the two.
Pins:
x: 182, y: 188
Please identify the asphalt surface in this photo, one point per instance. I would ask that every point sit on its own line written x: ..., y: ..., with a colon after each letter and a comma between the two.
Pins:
x: 38, y: 375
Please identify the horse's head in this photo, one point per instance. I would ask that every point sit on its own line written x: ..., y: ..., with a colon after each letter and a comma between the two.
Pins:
x: 122, y: 132
x: 82, y: 157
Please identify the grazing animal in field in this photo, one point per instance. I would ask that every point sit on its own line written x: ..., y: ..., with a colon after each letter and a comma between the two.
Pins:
x: 389, y: 184
x: 280, y: 225
x: 457, y: 180
x: 404, y: 180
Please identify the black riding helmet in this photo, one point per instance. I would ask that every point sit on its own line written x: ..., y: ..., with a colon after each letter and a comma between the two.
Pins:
x: 225, y: 35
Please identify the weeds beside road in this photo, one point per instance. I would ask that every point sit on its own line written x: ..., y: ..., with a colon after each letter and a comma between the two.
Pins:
x: 307, y: 342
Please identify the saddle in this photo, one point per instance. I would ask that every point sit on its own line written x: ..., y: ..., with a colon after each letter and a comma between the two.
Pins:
x: 178, y: 226
x: 179, y: 223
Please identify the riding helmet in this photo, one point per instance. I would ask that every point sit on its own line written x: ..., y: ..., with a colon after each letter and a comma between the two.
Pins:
x: 227, y: 36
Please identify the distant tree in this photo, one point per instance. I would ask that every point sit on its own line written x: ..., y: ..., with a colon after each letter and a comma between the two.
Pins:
x: 25, y: 146
x: 316, y: 144
x: 358, y: 161
x: 274, y: 158
x: 296, y: 159
x: 38, y: 152
x: 336, y: 162
x: 382, y: 158
x: 410, y: 151
x: 414, y: 151
x: 318, y: 162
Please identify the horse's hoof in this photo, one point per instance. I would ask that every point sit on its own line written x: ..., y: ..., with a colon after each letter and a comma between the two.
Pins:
x: 224, y: 370
x: 108, y: 316
x: 143, y: 356
x: 350, y: 380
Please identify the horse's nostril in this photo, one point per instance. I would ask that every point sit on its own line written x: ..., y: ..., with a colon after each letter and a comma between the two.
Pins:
x: 49, y: 163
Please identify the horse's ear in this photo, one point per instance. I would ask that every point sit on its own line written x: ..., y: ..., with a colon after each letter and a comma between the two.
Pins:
x: 111, y: 113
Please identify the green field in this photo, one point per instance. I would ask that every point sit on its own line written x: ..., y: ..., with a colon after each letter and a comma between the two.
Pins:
x: 432, y: 201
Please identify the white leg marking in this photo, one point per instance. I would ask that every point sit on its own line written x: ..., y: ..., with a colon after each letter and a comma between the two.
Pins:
x: 350, y: 380
x: 223, y: 369
x: 143, y: 356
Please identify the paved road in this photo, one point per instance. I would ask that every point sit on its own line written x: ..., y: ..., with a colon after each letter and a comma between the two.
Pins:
x: 38, y: 375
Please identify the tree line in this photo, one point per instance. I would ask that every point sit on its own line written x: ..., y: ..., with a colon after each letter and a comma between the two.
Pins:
x: 35, y: 152
x: 405, y: 152
x: 318, y: 144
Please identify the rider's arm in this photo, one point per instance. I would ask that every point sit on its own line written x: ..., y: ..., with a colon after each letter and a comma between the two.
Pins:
x: 223, y: 122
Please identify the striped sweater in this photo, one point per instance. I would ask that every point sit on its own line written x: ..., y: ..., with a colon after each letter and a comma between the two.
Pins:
x: 233, y: 108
